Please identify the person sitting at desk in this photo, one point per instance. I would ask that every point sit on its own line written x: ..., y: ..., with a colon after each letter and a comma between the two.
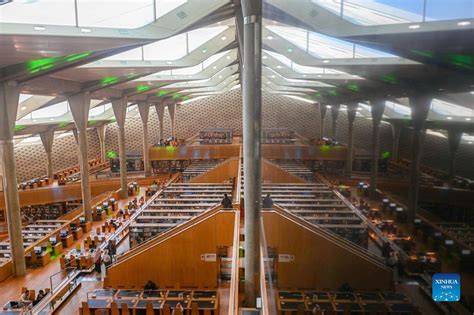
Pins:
x: 25, y: 297
x: 178, y: 307
x: 150, y: 286
x: 40, y: 296
x: 226, y: 202
x: 267, y: 202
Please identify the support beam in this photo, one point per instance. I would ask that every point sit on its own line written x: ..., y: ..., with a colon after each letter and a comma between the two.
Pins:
x: 160, y: 111
x: 119, y: 107
x: 334, y: 115
x: 172, y: 112
x: 144, y: 109
x: 420, y: 107
x: 396, y: 132
x: 47, y: 139
x: 80, y: 105
x: 322, y: 115
x: 351, y: 115
x: 252, y: 124
x: 378, y: 107
x: 9, y: 98
x: 454, y: 139
x: 101, y: 132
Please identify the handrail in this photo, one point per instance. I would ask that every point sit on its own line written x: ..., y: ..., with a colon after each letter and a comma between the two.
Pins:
x: 263, y: 284
x: 193, y: 180
x: 330, y: 236
x: 159, y: 238
x: 238, y: 183
x: 291, y: 175
x: 234, y: 281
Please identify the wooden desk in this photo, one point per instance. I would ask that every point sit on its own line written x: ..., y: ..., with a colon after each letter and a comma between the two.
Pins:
x: 86, y: 227
x: 67, y: 241
x: 77, y: 233
x: 58, y: 248
x: 44, y: 258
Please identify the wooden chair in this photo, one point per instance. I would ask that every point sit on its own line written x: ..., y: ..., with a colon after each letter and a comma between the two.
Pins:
x: 177, y: 311
x: 149, y: 309
x: 207, y: 312
x: 62, y: 262
x: 300, y: 309
x: 32, y: 295
x: 166, y: 310
x: 125, y: 310
x: 85, y: 309
x: 194, y: 309
x: 114, y: 309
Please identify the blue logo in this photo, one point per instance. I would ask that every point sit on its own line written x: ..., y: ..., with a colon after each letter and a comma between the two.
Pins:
x: 446, y: 287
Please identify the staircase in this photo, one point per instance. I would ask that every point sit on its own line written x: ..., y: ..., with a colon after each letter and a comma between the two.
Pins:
x: 297, y: 168
x: 199, y: 167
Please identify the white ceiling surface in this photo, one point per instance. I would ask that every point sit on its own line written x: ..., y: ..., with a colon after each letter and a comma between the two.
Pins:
x: 181, y: 63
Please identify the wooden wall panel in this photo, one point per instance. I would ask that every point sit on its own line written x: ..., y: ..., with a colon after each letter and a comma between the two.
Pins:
x: 194, y: 152
x: 272, y: 173
x: 221, y: 173
x: 303, y: 152
x: 177, y: 261
x: 319, y: 263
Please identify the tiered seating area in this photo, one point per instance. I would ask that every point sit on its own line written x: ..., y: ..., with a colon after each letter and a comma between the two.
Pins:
x: 297, y: 168
x: 141, y: 301
x: 322, y: 302
x: 216, y: 136
x: 73, y: 174
x: 199, y: 167
x: 317, y: 204
x: 34, y: 183
x: 177, y: 204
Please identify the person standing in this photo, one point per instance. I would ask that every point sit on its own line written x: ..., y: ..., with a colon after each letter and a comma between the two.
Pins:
x: 226, y: 202
x: 267, y: 202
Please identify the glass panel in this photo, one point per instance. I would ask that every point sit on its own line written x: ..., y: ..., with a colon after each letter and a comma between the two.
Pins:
x: 165, y: 6
x: 468, y: 138
x: 98, y: 110
x: 449, y: 10
x: 400, y: 109
x: 213, y: 58
x: 306, y: 69
x: 51, y: 12
x: 24, y: 97
x: 30, y: 140
x: 378, y: 12
x: 365, y: 52
x: 113, y: 13
x: 333, y: 6
x: 326, y: 47
x: 200, y: 36
x: 64, y: 134
x: 448, y: 109
x: 296, y: 36
x: 133, y: 54
x: 168, y: 49
x: 435, y: 133
x: 51, y: 111
x: 280, y: 58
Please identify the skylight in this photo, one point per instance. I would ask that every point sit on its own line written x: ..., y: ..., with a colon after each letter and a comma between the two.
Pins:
x: 448, y: 109
x: 399, y: 109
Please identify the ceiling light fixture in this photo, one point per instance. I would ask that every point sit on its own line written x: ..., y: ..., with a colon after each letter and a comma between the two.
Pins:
x: 169, y: 62
x: 464, y: 23
x: 269, y: 37
x: 40, y: 28
x: 264, y: 57
x: 23, y: 107
x: 214, y: 67
x: 414, y: 26
x: 273, y: 75
x: 468, y: 118
x: 449, y: 118
x: 220, y: 77
x: 279, y: 67
x: 328, y: 106
x: 326, y: 61
x: 86, y: 30
x: 228, y: 57
x: 224, y: 37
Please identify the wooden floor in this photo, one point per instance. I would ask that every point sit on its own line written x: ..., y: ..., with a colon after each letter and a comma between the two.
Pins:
x: 39, y: 278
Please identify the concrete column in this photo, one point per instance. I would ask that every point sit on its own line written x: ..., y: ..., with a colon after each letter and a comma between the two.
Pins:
x: 101, y: 132
x: 322, y: 111
x: 252, y: 123
x: 144, y: 109
x: 420, y: 106
x: 351, y: 115
x: 119, y: 107
x: 454, y: 139
x: 396, y: 132
x: 172, y: 112
x: 160, y: 111
x: 378, y: 107
x: 80, y: 105
x: 334, y: 114
x: 47, y: 139
x: 9, y: 98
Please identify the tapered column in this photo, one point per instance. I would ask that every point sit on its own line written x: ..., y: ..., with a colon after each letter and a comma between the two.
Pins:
x: 172, y: 112
x: 454, y: 139
x: 144, y: 109
x: 80, y: 105
x: 351, y: 115
x: 334, y: 115
x: 160, y: 111
x: 9, y: 97
x: 396, y: 132
x: 47, y: 139
x: 119, y: 107
x: 420, y: 106
x: 252, y: 121
x: 101, y: 132
x: 378, y: 107
x: 322, y: 116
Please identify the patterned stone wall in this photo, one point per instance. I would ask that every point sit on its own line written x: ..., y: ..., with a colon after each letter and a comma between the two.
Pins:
x: 225, y: 111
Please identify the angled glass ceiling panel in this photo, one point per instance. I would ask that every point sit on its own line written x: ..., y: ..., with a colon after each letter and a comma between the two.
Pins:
x: 199, y: 36
x: 213, y: 58
x: 399, y: 109
x: 468, y: 138
x: 307, y: 70
x: 51, y: 111
x: 286, y: 61
x: 99, y: 110
x: 448, y: 109
x: 449, y: 9
x: 133, y: 54
x: 165, y: 6
x: 167, y: 49
x: 187, y: 70
x: 50, y: 12
x: 113, y: 13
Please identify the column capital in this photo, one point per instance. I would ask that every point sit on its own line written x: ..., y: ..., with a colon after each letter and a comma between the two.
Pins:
x: 9, y: 98
x: 351, y: 112
x: 335, y: 111
x: 378, y: 107
x: 144, y: 110
x: 420, y: 107
x: 47, y: 138
x: 119, y: 107
x: 80, y: 106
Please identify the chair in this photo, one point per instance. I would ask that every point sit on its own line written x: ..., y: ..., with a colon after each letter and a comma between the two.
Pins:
x: 125, y: 310
x: 114, y: 309
x: 149, y: 309
x: 85, y: 309
x: 194, y: 309
x: 166, y: 310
